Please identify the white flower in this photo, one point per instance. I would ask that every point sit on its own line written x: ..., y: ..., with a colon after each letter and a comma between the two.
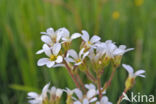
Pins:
x: 89, y: 98
x: 69, y: 92
x: 121, y: 50
x: 131, y: 71
x: 66, y: 35
x: 36, y: 98
x: 89, y: 42
x: 53, y: 54
x: 72, y: 56
x: 104, y: 100
x: 92, y: 86
x: 50, y: 36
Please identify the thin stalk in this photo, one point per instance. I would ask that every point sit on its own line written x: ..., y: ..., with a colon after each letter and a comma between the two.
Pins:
x: 90, y: 76
x: 99, y: 85
x: 120, y: 98
x: 72, y: 75
x: 108, y: 83
x: 81, y: 83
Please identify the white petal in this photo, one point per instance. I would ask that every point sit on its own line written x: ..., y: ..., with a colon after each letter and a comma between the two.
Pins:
x: 50, y: 64
x: 53, y: 90
x: 90, y: 86
x: 139, y: 72
x: 128, y: 68
x: 91, y: 93
x: 64, y: 32
x: 46, y: 39
x: 78, y: 93
x: 118, y: 52
x: 45, y: 90
x: 56, y: 48
x: 50, y: 31
x: 75, y: 35
x: 77, y: 64
x: 85, y: 36
x: 59, y: 92
x: 85, y: 101
x: 85, y: 54
x: 68, y: 59
x: 58, y: 65
x: 81, y: 52
x: 42, y: 61
x: 104, y: 100
x: 73, y: 54
x: 122, y: 47
x: 32, y: 95
x: 59, y: 59
x: 40, y: 51
x: 95, y: 39
x: 77, y: 102
x: 129, y: 49
x: 93, y: 99
x: 47, y: 50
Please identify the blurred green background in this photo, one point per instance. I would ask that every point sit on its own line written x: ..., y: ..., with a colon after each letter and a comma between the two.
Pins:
x: 129, y: 22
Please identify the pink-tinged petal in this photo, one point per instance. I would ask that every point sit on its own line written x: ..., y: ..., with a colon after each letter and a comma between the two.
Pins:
x: 47, y: 50
x: 56, y: 48
x: 59, y: 59
x: 42, y: 61
x: 95, y: 39
x: 85, y: 36
x: 75, y: 35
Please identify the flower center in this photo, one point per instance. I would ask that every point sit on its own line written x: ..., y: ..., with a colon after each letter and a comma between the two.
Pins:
x: 78, y: 60
x: 52, y: 58
x: 89, y: 43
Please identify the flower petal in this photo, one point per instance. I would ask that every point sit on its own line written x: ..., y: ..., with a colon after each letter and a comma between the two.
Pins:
x: 75, y: 35
x: 85, y: 101
x: 91, y: 93
x: 42, y: 61
x: 46, y: 39
x: 56, y: 48
x: 47, y: 50
x: 32, y: 95
x: 139, y: 72
x: 59, y: 59
x: 95, y: 39
x: 128, y: 68
x: 85, y: 36
x: 40, y: 51
x: 78, y: 93
x: 45, y: 90
x: 50, y: 31
x: 50, y: 64
x: 81, y: 52
x: 68, y: 59
x: 73, y: 53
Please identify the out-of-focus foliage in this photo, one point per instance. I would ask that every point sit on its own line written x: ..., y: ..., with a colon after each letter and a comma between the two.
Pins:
x: 129, y: 22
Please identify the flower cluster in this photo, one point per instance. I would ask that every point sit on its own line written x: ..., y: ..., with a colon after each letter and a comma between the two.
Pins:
x: 93, y: 52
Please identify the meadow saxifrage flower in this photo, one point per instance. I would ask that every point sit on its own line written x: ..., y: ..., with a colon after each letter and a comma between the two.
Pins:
x: 104, y: 100
x: 89, y: 42
x: 53, y: 56
x: 36, y: 98
x: 75, y: 58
